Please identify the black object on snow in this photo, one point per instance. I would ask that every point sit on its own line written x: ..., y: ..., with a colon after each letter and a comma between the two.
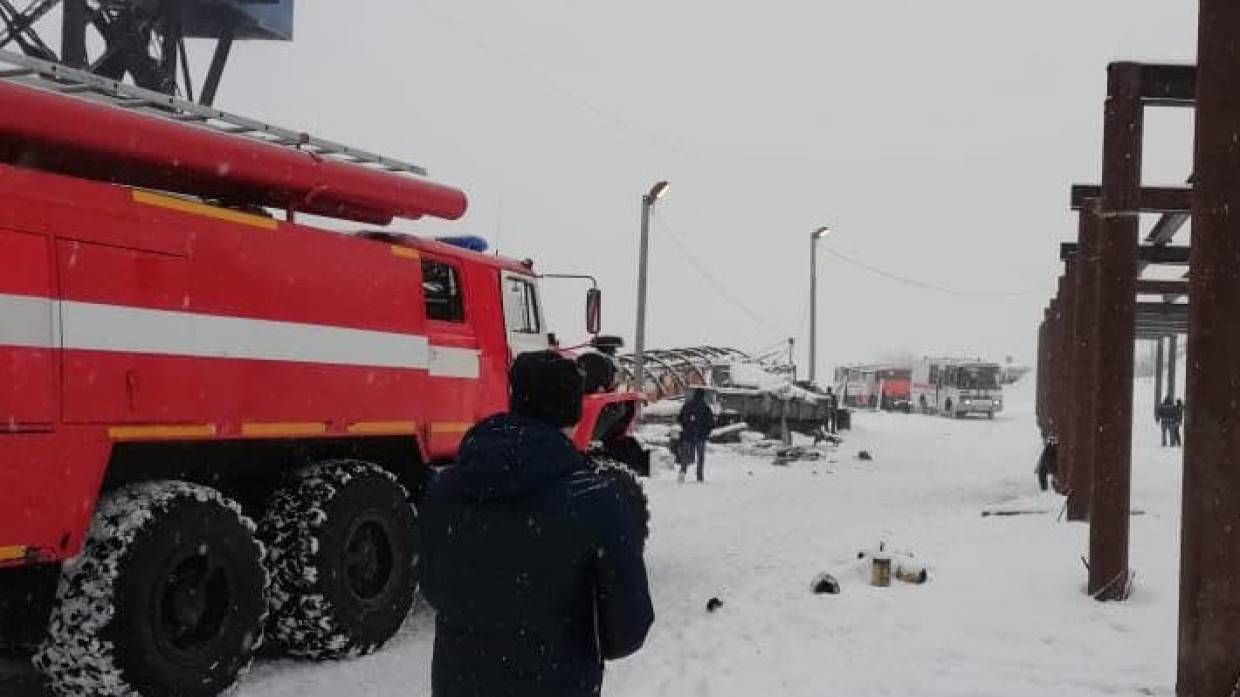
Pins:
x: 843, y: 420
x: 533, y: 563
x: 825, y: 584
x: 865, y: 455
x: 713, y: 604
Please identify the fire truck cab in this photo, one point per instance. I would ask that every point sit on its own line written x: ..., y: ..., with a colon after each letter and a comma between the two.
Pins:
x: 214, y: 422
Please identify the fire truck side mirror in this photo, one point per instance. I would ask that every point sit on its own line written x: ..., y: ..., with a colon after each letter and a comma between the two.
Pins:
x: 594, y: 311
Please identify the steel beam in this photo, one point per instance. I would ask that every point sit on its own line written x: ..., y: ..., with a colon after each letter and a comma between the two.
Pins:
x: 1116, y: 319
x: 1153, y: 199
x: 1154, y: 287
x: 1168, y: 85
x: 1209, y: 636
x: 1162, y: 309
x: 1162, y: 255
x: 1166, y: 228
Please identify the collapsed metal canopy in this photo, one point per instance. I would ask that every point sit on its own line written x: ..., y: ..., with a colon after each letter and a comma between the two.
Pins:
x: 673, y: 372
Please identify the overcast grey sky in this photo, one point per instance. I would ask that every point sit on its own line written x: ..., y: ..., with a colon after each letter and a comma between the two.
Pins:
x: 937, y: 138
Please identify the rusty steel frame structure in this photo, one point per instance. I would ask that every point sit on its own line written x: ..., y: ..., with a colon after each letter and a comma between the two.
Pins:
x: 1086, y: 401
x: 1090, y: 399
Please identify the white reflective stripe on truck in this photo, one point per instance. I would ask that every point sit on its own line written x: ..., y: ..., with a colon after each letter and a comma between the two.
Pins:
x: 28, y: 322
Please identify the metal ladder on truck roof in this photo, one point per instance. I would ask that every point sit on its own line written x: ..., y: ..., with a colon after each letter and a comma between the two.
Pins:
x: 54, y: 77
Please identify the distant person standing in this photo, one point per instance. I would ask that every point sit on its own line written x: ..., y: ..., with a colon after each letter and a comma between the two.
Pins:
x: 1177, y: 424
x: 1048, y: 462
x: 1166, y: 418
x: 696, y: 422
x: 833, y: 405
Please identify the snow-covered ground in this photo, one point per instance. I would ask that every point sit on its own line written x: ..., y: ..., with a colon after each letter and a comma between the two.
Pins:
x: 1004, y: 612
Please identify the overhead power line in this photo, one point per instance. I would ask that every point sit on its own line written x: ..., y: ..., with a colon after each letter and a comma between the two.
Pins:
x: 724, y: 292
x: 926, y: 285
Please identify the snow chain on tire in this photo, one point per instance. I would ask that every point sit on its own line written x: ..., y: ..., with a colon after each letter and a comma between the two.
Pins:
x: 630, y: 488
x: 317, y: 610
x: 105, y: 637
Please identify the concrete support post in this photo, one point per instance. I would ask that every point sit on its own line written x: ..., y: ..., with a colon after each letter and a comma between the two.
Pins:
x: 1117, y: 291
x: 1209, y: 641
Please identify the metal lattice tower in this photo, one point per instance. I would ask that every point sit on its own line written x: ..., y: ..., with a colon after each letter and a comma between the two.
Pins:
x: 144, y: 40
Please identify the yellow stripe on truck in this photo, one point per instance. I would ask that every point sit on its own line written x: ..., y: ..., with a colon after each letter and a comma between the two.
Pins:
x: 180, y: 205
x: 449, y: 428
x: 283, y: 430
x: 12, y: 553
x: 162, y: 432
x: 383, y: 428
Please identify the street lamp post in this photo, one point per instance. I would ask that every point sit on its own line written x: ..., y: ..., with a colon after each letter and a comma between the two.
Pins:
x: 639, y: 362
x: 813, y: 300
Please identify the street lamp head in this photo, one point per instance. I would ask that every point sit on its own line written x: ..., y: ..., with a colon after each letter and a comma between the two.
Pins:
x: 657, y: 191
x: 821, y: 232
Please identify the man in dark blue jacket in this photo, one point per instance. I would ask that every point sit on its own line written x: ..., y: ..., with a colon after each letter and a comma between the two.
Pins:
x: 697, y: 421
x: 532, y: 562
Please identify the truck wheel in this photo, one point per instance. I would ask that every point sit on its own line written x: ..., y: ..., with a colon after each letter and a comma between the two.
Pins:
x: 630, y: 488
x: 166, y: 598
x: 342, y: 545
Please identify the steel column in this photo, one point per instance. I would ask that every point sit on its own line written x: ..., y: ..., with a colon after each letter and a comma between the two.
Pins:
x: 1172, y: 360
x: 1117, y: 292
x: 1044, y: 346
x: 75, y: 17
x: 1159, y: 367
x: 1085, y: 369
x: 1058, y: 394
x: 1209, y: 636
x: 1067, y: 373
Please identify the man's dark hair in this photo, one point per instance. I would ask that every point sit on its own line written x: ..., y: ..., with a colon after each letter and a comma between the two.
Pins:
x: 546, y: 386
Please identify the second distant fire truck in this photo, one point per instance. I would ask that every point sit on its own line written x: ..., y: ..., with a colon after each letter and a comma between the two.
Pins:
x: 957, y: 388
x: 870, y: 386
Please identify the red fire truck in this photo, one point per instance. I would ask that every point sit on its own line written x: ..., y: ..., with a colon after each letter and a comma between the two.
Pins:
x: 214, y: 423
x: 869, y: 386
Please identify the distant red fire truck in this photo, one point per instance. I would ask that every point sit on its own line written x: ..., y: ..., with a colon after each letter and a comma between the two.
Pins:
x: 874, y: 386
x: 222, y: 417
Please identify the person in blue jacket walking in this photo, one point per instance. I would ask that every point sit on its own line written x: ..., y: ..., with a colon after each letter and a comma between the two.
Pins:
x: 697, y: 420
x: 532, y: 561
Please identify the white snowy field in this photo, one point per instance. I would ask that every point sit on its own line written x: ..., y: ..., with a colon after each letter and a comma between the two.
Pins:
x: 1004, y: 612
